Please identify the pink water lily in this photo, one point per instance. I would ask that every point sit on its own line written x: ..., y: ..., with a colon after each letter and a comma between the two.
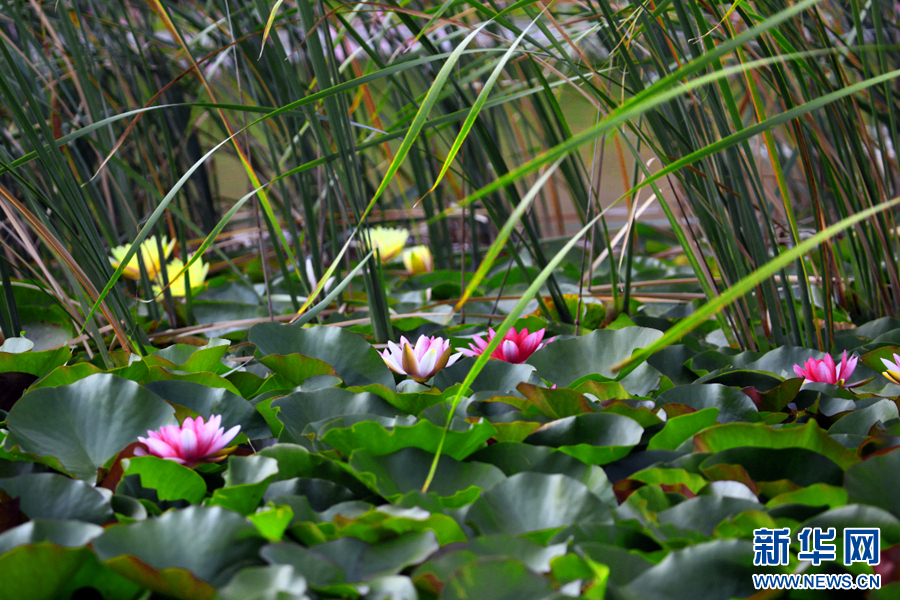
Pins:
x: 516, y: 347
x: 825, y: 371
x: 194, y: 442
x: 422, y: 361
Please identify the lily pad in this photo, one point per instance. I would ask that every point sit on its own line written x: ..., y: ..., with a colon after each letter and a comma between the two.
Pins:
x: 406, y: 470
x: 354, y: 360
x: 565, y: 361
x: 210, y: 543
x: 85, y: 424
x: 533, y: 502
x: 207, y: 401
x: 52, y: 496
x: 597, y: 438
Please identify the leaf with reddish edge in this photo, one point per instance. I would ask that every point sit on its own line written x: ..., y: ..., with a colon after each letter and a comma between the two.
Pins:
x: 556, y: 404
x: 297, y: 368
x: 809, y: 436
x: 175, y: 582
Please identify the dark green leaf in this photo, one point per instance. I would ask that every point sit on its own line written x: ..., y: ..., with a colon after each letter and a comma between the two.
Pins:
x: 85, y: 424
x: 354, y: 359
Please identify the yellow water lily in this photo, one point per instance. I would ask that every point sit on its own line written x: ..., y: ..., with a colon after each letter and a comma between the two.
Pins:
x: 418, y: 260
x: 197, y: 273
x: 150, y: 254
x: 389, y: 241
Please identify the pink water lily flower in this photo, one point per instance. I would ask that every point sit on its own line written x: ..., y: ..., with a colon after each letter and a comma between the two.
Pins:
x: 825, y: 371
x: 422, y: 361
x: 516, y: 347
x: 194, y: 442
x: 893, y: 369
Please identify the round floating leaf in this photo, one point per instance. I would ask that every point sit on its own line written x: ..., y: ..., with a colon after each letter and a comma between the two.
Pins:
x: 33, y: 363
x: 704, y: 513
x: 211, y: 543
x: 69, y: 534
x: 496, y: 579
x: 52, y: 496
x: 297, y: 368
x: 85, y: 424
x: 858, y: 515
x: 353, y: 358
x: 246, y: 481
x: 624, y: 566
x: 272, y: 582
x: 207, y: 401
x: 681, y: 428
x: 40, y: 572
x: 191, y: 359
x: 529, y: 502
x: 819, y: 494
x: 425, y: 435
x: 299, y: 409
x: 171, y: 480
x: 321, y: 493
x: 496, y: 376
x: 733, y: 405
x: 799, y: 465
x: 411, y: 403
x: 565, y: 361
x: 556, y: 404
x: 404, y: 471
x: 393, y: 587
x: 717, y: 570
x: 781, y: 361
x: 597, y: 438
x: 356, y: 560
x: 441, y: 568
x: 809, y: 436
x: 874, y: 482
x: 860, y: 421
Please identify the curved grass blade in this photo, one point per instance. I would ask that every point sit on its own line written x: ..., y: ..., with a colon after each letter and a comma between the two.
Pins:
x: 508, y: 322
x: 749, y: 282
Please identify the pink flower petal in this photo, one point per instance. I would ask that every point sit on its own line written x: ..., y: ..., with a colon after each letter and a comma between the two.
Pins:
x: 510, y: 351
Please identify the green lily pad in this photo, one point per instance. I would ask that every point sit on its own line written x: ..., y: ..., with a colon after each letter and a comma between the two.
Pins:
x: 246, y: 480
x: 46, y: 570
x: 297, y: 368
x: 565, y: 361
x: 717, y: 570
x: 207, y: 401
x: 681, y: 428
x: 733, y: 405
x: 535, y: 502
x: 496, y: 376
x: 68, y: 534
x: 809, y: 436
x: 210, y: 543
x: 299, y: 409
x: 597, y: 438
x: 377, y: 440
x: 87, y: 423
x: 171, y: 480
x: 496, y: 578
x: 874, y: 482
x: 354, y: 359
x: 34, y: 363
x: 406, y: 470
x: 356, y: 560
x: 799, y: 465
x: 556, y: 404
x: 52, y: 496
x: 272, y: 582
x: 861, y: 420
